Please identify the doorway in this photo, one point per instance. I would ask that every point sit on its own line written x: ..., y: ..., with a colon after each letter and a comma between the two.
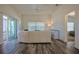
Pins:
x: 70, y: 28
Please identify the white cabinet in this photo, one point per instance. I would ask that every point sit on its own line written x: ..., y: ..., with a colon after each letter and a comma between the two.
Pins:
x: 55, y: 34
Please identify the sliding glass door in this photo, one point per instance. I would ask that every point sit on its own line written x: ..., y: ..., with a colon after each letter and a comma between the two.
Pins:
x: 10, y: 27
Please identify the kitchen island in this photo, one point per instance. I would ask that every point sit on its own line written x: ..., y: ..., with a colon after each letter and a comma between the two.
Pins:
x: 35, y: 37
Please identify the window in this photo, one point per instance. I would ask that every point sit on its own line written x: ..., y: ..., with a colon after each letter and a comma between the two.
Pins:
x: 36, y: 26
x: 4, y: 23
x: 70, y: 26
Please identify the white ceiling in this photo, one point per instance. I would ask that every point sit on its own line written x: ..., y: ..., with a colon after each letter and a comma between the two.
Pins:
x: 26, y: 9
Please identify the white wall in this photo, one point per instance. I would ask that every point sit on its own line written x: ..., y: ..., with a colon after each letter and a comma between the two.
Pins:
x: 8, y: 11
x: 34, y: 18
x: 1, y: 35
x: 77, y: 29
x: 58, y: 24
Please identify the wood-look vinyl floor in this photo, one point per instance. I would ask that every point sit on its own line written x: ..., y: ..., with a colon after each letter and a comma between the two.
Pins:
x: 55, y: 47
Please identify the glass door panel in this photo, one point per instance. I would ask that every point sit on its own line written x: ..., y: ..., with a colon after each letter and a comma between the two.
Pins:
x: 12, y: 34
x: 10, y: 28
